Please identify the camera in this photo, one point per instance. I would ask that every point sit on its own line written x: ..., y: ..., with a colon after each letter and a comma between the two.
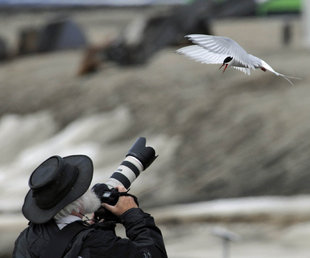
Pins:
x: 138, y: 158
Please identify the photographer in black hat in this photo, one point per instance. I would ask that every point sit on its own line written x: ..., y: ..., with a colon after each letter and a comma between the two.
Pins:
x: 58, y: 198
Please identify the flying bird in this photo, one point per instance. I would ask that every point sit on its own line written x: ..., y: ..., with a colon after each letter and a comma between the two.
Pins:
x: 227, y: 52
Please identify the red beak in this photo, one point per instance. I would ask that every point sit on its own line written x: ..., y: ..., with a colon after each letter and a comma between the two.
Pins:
x: 226, y: 65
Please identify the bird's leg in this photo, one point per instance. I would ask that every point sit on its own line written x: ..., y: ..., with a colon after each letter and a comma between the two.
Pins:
x: 221, y: 66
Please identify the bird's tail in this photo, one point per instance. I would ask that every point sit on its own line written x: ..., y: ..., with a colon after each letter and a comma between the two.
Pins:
x: 286, y: 77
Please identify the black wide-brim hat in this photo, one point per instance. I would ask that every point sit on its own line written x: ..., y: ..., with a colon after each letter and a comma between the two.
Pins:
x: 56, y: 183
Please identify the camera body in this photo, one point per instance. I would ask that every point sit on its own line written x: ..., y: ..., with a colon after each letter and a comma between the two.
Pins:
x: 109, y: 196
x: 138, y: 158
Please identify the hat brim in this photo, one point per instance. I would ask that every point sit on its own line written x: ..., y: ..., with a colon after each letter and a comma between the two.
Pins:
x: 85, y: 167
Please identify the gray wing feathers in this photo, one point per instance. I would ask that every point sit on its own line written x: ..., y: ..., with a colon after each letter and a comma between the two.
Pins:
x: 244, y: 70
x: 202, y: 55
x: 214, y: 49
x: 224, y: 46
x: 215, y: 44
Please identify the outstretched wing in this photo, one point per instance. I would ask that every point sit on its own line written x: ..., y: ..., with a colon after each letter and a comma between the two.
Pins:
x: 201, y: 55
x: 225, y: 46
x: 204, y: 56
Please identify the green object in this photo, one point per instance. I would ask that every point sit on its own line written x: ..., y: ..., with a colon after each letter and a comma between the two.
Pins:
x: 279, y: 6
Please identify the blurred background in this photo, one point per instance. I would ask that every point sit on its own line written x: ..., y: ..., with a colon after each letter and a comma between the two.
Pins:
x: 90, y: 77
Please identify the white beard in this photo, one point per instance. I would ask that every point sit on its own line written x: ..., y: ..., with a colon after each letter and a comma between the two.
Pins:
x: 89, y: 202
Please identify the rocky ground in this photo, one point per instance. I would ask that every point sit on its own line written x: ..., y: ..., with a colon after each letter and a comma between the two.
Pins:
x: 237, y: 134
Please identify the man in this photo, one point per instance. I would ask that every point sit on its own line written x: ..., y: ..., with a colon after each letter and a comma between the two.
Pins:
x: 55, y: 205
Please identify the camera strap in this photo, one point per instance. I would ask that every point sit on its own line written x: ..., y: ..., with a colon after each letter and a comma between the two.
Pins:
x: 59, y: 242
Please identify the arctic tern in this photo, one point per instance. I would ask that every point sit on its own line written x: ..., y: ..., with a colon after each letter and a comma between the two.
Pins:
x: 210, y: 49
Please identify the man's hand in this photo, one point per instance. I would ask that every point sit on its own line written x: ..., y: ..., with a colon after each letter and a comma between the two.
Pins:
x: 124, y: 203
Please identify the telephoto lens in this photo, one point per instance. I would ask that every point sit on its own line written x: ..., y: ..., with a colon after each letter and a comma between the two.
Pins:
x: 138, y: 158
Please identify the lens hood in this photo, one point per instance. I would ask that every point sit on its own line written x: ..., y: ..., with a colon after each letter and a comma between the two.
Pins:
x: 146, y: 155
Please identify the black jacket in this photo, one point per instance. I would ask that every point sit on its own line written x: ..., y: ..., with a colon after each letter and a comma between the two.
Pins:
x: 99, y: 240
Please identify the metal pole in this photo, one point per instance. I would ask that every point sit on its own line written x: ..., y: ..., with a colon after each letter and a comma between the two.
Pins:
x: 306, y: 21
x: 287, y: 32
x: 226, y: 236
x: 226, y: 248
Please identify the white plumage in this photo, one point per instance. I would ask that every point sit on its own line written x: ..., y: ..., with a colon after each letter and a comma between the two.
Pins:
x: 222, y: 50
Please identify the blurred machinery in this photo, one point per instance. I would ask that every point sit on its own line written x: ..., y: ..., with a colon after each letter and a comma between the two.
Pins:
x: 162, y: 30
x: 57, y: 34
x: 306, y: 21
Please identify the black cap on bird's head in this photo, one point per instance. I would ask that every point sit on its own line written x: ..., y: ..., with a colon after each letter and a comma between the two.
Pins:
x: 227, y: 60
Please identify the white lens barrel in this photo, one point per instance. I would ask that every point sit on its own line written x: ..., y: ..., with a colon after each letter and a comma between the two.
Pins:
x: 126, y: 173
